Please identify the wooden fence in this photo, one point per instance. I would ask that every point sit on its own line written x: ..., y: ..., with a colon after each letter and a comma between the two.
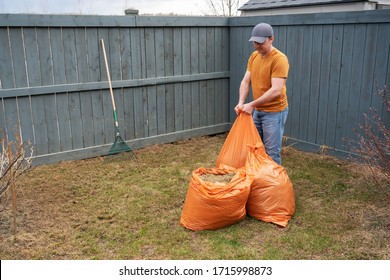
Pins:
x: 178, y: 77
x: 338, y: 62
x: 170, y: 78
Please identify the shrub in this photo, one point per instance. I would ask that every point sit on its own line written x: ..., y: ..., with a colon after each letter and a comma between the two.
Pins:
x: 372, y: 143
x: 14, y: 161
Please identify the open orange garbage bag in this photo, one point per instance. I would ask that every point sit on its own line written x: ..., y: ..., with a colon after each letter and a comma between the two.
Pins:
x: 271, y: 198
x: 212, y: 205
x: 235, y: 150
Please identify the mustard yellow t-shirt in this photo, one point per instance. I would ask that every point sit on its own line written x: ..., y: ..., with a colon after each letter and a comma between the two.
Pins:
x: 263, y: 69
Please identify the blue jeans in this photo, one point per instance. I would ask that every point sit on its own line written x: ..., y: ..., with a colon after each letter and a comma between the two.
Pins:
x: 271, y: 128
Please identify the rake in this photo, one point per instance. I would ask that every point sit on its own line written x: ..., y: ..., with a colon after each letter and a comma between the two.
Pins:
x: 119, y: 145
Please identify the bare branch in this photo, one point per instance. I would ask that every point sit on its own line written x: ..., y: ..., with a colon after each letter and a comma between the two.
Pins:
x: 15, y: 159
x: 223, y: 7
x: 372, y: 143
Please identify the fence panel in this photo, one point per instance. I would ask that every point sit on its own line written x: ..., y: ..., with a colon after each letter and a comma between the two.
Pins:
x: 337, y: 61
x: 54, y: 82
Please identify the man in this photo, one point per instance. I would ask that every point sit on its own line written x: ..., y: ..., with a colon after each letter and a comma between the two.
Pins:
x: 267, y: 73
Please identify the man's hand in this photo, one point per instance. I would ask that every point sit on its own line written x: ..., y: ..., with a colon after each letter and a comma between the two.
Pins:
x: 247, y: 108
x: 237, y: 109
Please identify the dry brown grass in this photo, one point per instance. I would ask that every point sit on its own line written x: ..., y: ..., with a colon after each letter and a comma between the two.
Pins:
x: 120, y: 208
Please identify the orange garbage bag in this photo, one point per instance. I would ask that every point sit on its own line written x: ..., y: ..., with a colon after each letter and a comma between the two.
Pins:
x: 271, y: 198
x: 235, y: 149
x: 211, y: 204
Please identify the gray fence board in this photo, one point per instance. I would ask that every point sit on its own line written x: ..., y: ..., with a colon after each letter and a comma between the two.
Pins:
x: 98, y: 116
x: 186, y: 50
x: 44, y: 54
x: 345, y: 83
x: 86, y: 113
x: 195, y: 105
x: 108, y: 117
x: 128, y: 104
x: 26, y: 122
x: 217, y: 85
x: 210, y: 67
x: 381, y: 63
x: 195, y: 85
x: 304, y: 101
x: 170, y: 108
x: 6, y: 73
x: 224, y: 51
x: 386, y: 114
x: 235, y: 62
x: 57, y: 56
x: 93, y: 47
x: 40, y: 127
x: 178, y: 70
x: 75, y: 120
x: 357, y: 75
x: 33, y: 60
x: 151, y: 67
x: 125, y: 53
x: 179, y: 112
x: 152, y: 110
x: 81, y: 55
x: 11, y: 118
x: 369, y: 78
x: 18, y: 57
x: 3, y: 123
x: 70, y: 58
x: 202, y: 69
x: 324, y: 84
x: 187, y: 106
x: 64, y: 130
x: 315, y: 85
x: 87, y: 118
x: 113, y: 55
x: 168, y: 71
x: 51, y: 121
x: 139, y: 114
x: 168, y: 51
x: 294, y: 53
x: 334, y: 84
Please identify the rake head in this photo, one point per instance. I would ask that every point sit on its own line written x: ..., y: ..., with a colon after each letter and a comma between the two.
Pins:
x: 119, y: 146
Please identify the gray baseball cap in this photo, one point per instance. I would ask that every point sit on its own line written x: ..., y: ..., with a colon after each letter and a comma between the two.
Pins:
x: 261, y: 32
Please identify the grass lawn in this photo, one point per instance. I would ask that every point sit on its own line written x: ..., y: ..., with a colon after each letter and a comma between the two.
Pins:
x: 119, y: 207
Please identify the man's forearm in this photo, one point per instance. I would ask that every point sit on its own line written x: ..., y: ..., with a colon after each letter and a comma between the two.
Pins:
x: 243, y: 93
x: 268, y: 96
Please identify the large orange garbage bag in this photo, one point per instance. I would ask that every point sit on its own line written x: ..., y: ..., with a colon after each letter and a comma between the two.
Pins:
x: 213, y: 205
x: 235, y: 150
x: 271, y: 198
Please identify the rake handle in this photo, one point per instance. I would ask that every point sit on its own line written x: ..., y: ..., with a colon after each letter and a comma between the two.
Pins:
x: 110, y: 85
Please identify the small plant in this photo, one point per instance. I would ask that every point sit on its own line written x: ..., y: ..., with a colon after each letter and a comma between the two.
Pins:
x: 324, y: 150
x: 14, y: 161
x: 373, y: 143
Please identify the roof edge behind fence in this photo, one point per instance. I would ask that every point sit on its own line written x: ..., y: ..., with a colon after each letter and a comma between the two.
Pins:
x: 374, y: 16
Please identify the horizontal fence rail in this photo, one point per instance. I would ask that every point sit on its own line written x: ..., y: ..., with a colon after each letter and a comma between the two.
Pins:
x: 178, y: 77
